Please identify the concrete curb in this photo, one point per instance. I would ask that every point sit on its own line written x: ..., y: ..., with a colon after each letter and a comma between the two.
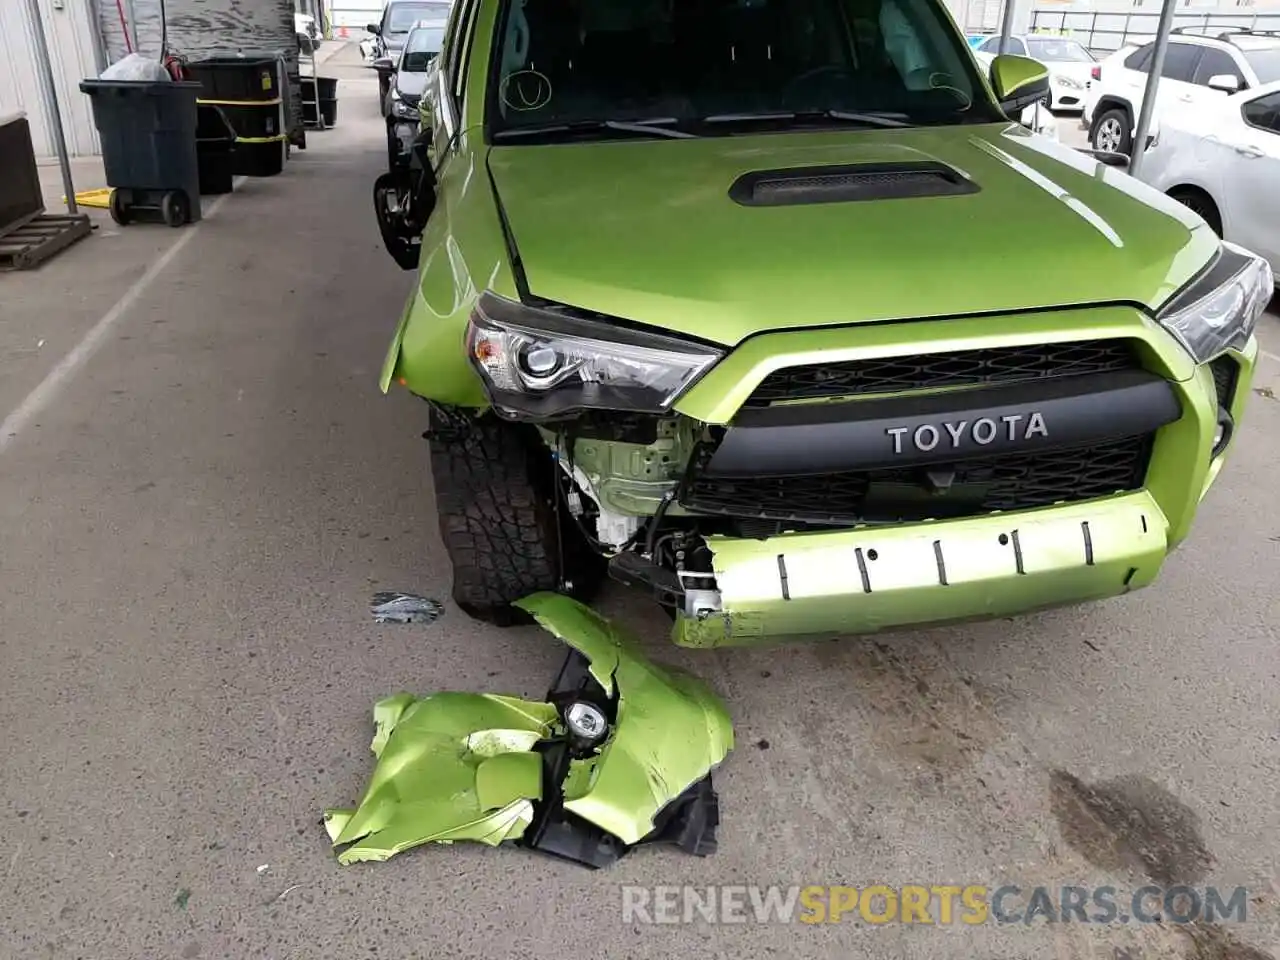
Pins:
x: 328, y: 48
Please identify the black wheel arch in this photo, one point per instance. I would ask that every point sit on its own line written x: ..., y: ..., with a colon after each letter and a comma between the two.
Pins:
x: 1202, y: 202
x: 1108, y: 103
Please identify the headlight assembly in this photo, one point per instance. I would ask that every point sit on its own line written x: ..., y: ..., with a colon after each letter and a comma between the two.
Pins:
x: 401, y: 109
x: 1068, y: 82
x: 1219, y: 311
x: 539, y: 363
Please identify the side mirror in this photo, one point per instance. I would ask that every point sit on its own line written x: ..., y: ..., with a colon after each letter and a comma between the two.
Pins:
x: 1018, y: 82
x: 373, y: 28
x: 384, y: 65
x: 402, y: 201
x: 1225, y: 82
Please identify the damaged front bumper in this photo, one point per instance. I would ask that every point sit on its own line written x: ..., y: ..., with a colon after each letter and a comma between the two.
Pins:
x: 619, y: 754
x: 861, y: 581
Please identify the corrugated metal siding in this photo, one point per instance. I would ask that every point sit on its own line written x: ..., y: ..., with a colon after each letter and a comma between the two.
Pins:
x: 70, y: 35
x: 207, y: 28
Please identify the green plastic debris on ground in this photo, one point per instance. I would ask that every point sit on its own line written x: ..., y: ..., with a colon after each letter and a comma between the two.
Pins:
x: 452, y: 766
x: 486, y: 768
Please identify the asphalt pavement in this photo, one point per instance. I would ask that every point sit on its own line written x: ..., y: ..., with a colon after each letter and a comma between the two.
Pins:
x: 200, y: 489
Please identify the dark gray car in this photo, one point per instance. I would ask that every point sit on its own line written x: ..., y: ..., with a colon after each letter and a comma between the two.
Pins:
x: 390, y: 33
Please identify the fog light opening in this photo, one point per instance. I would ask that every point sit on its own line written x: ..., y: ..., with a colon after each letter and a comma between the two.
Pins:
x: 586, y: 722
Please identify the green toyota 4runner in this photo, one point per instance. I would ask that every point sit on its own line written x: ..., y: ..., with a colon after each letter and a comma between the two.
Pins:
x: 766, y: 307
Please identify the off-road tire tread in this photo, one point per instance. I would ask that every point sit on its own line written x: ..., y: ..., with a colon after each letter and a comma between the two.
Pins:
x: 497, y: 520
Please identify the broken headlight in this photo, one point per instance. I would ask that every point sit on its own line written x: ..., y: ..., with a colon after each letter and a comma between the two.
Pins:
x: 1219, y: 311
x: 538, y: 363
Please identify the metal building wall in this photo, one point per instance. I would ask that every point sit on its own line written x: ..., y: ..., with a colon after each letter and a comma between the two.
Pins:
x: 70, y: 32
x: 205, y: 28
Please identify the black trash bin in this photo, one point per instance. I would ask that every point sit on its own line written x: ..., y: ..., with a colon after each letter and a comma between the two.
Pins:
x: 148, y: 133
x: 215, y: 146
x: 237, y: 79
x: 250, y: 93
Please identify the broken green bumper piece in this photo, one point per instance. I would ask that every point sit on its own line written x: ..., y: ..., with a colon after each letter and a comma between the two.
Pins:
x: 453, y: 766
x: 619, y: 754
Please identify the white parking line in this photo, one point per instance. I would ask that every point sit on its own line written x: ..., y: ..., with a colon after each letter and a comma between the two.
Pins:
x: 1270, y: 356
x: 39, y: 398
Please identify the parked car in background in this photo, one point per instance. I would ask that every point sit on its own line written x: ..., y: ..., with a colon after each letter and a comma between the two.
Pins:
x: 390, y: 33
x: 1197, y: 70
x: 1070, y: 64
x: 414, y: 71
x: 1222, y: 159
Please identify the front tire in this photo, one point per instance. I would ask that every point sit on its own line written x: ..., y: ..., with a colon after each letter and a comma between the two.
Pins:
x: 495, y: 493
x: 1111, y: 132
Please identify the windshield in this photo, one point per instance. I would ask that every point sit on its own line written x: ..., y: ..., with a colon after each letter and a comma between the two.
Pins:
x: 402, y: 16
x: 1265, y: 63
x: 725, y: 63
x: 1061, y: 51
x: 421, y: 48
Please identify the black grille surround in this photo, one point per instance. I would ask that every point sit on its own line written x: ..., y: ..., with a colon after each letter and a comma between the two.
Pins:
x: 1011, y: 481
x: 927, y: 371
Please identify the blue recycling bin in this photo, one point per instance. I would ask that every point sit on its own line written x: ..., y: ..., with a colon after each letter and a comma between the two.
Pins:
x: 148, y: 133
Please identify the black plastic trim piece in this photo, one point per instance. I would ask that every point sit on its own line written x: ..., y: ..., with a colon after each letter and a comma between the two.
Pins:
x: 808, y: 439
x: 862, y: 570
x: 1224, y: 265
x: 849, y: 182
x: 689, y: 821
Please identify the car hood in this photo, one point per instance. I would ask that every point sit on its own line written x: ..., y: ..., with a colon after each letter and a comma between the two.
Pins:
x: 646, y: 230
x: 412, y: 85
x: 1078, y: 70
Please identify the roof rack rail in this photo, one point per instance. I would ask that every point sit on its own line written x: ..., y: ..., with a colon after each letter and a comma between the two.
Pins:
x: 1246, y: 32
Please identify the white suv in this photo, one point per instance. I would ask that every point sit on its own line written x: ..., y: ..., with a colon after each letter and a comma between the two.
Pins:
x: 1196, y: 69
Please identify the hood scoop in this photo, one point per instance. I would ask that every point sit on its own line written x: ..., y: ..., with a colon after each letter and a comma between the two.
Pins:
x: 846, y: 183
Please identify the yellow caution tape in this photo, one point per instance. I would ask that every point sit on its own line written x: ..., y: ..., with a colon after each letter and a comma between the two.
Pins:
x: 242, y: 103
x: 278, y: 139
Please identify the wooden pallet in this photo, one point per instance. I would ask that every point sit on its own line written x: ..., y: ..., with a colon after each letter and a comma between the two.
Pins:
x: 35, y: 242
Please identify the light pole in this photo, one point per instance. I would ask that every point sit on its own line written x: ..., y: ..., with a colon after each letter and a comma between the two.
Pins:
x: 1139, y: 145
x: 50, y: 95
x: 1006, y: 24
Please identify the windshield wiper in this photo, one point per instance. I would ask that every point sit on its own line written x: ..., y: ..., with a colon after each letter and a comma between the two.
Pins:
x: 647, y: 127
x: 805, y: 116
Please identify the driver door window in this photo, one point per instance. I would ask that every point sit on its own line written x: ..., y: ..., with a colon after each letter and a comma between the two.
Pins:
x: 1264, y: 113
x: 448, y: 112
x: 1216, y: 63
